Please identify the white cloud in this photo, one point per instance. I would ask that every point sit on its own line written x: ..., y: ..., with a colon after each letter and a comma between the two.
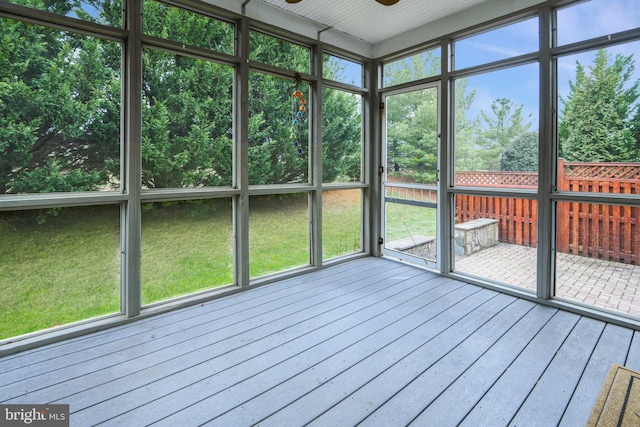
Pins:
x: 596, y: 18
x: 502, y: 51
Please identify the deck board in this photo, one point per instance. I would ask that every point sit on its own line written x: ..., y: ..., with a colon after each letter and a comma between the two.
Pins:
x: 509, y: 392
x: 388, y: 370
x: 273, y: 331
x: 345, y: 368
x: 150, y: 330
x: 633, y: 357
x: 368, y: 342
x: 170, y: 341
x: 475, y: 381
x: 407, y: 404
x: 368, y: 333
x: 612, y: 347
x: 552, y: 392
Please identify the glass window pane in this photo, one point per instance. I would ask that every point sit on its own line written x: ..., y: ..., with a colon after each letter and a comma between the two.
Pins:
x: 278, y: 130
x: 502, y: 43
x: 588, y: 19
x: 415, y: 67
x: 341, y: 222
x: 278, y: 233
x: 496, y: 128
x: 278, y: 52
x: 183, y: 26
x: 187, y: 122
x: 341, y: 136
x: 598, y: 135
x: 103, y: 12
x: 58, y: 266
x: 496, y: 238
x: 186, y: 247
x: 597, y: 253
x: 59, y: 111
x: 342, y: 70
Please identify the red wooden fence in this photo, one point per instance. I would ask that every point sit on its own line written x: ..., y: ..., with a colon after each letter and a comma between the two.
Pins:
x: 608, y: 232
x: 602, y: 231
x: 516, y: 217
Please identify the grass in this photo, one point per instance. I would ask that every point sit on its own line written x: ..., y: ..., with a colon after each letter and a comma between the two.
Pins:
x: 278, y: 233
x: 341, y: 222
x: 186, y: 247
x: 67, y: 268
x: 406, y: 220
x: 61, y: 271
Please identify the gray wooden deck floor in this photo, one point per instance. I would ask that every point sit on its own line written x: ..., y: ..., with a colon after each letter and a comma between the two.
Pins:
x: 370, y: 342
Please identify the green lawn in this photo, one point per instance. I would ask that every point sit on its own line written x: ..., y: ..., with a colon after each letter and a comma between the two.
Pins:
x: 67, y: 268
x: 186, y: 247
x: 406, y: 220
x: 341, y: 222
x: 63, y: 270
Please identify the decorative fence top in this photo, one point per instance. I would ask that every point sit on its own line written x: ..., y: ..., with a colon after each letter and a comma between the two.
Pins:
x: 600, y: 170
x: 501, y: 179
x: 571, y: 170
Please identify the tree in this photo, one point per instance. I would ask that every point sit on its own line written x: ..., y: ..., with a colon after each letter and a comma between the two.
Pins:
x: 465, y: 151
x: 599, y: 122
x: 522, y: 154
x: 187, y: 122
x: 59, y: 109
x: 273, y: 156
x: 187, y: 115
x: 412, y: 129
x: 60, y: 106
x: 341, y: 135
x: 501, y: 129
x: 412, y: 120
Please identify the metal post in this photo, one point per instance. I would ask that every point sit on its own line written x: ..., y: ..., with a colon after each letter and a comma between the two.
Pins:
x: 241, y: 159
x: 132, y: 209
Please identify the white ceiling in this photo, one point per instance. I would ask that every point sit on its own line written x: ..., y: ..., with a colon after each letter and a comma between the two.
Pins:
x: 370, y: 21
x: 369, y: 29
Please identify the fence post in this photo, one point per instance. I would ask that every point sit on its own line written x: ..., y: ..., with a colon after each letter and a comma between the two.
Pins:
x: 562, y: 220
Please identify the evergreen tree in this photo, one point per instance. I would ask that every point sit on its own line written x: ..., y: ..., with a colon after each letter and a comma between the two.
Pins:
x: 599, y: 122
x: 412, y: 128
x: 186, y: 122
x: 187, y: 111
x: 502, y: 128
x: 273, y: 157
x: 522, y: 154
x: 412, y: 120
x: 341, y: 135
x: 59, y: 109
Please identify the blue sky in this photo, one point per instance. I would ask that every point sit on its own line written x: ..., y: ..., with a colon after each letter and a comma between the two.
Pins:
x: 594, y: 18
x: 575, y: 23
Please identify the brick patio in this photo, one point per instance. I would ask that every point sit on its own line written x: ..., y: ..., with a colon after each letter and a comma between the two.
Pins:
x: 603, y: 284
